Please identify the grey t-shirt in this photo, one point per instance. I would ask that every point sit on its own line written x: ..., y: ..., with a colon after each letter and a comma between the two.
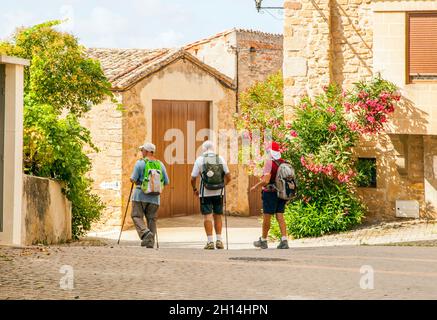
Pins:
x: 138, y: 176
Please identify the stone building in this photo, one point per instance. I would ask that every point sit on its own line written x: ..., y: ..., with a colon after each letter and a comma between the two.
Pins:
x: 186, y: 89
x: 243, y: 55
x: 345, y: 41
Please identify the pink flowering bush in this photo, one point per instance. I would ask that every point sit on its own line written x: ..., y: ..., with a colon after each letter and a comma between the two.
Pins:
x: 370, y: 105
x: 261, y: 113
x: 318, y: 143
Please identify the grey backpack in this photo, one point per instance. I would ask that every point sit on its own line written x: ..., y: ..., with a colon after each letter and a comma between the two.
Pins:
x: 285, y: 182
x: 213, y: 174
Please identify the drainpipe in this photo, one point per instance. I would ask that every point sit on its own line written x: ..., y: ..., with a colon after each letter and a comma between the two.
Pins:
x: 237, y: 79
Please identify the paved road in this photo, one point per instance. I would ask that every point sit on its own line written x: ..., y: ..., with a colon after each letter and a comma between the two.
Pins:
x: 131, y: 272
x: 188, y: 232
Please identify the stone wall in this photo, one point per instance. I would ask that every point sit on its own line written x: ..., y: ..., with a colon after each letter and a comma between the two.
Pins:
x: 307, y: 49
x: 325, y: 41
x: 430, y: 168
x: 418, y: 114
x: 351, y: 32
x: 105, y: 124
x: 400, y: 174
x: 344, y: 41
x: 259, y: 55
x: 46, y: 216
x: 218, y: 52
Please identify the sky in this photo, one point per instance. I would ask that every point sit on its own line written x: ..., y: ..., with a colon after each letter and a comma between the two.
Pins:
x: 141, y: 23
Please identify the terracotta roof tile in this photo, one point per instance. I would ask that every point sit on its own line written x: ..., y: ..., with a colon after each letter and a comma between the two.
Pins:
x: 125, y: 67
x: 118, y: 63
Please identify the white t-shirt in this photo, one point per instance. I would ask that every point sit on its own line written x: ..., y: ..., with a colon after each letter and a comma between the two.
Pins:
x: 198, y: 168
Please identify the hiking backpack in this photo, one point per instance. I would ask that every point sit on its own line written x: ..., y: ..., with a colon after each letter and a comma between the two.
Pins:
x: 285, y: 181
x: 153, y: 181
x: 213, y: 174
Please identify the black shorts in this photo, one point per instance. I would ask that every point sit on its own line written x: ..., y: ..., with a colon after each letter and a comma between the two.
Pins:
x: 272, y: 204
x: 210, y: 205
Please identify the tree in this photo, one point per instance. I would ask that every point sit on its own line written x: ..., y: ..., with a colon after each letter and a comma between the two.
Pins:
x: 60, y: 85
x: 60, y: 74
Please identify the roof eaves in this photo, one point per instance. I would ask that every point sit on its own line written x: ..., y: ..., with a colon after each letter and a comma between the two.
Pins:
x: 140, y: 64
x: 180, y: 54
x: 208, y: 39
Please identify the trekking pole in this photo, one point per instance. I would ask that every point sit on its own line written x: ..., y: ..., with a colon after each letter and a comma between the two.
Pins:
x: 156, y: 235
x: 124, y: 218
x: 226, y: 223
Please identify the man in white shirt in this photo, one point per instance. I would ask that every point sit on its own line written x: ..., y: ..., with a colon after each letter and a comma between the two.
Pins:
x: 211, y: 197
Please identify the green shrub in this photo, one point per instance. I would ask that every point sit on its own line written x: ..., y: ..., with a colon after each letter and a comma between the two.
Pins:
x: 53, y: 148
x: 332, y: 212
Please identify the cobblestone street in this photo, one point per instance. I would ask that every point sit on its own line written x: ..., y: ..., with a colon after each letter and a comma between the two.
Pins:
x: 132, y: 272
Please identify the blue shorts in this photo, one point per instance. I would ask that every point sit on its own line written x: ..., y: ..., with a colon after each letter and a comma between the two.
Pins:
x: 272, y: 204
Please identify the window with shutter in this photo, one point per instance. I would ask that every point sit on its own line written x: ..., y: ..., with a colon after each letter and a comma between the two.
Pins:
x: 422, y: 46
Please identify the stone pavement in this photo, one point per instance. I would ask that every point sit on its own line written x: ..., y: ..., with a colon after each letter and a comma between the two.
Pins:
x: 382, y: 233
x: 316, y: 268
x: 125, y: 272
x: 187, y: 232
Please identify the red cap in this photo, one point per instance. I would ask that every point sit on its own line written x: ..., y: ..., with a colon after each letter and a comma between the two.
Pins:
x: 274, y: 146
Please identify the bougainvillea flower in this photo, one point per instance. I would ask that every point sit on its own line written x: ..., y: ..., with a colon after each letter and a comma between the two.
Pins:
x: 332, y: 127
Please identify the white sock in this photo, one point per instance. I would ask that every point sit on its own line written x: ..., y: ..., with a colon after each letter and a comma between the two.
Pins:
x: 284, y: 238
x: 219, y: 237
x: 210, y: 239
x: 263, y: 239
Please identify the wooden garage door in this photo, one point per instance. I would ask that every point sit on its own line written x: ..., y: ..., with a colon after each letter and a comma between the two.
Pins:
x: 178, y: 199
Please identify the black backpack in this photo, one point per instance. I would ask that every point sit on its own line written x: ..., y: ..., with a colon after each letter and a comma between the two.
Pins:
x: 213, y: 173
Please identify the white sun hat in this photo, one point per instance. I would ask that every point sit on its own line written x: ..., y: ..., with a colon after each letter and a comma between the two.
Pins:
x: 273, y: 148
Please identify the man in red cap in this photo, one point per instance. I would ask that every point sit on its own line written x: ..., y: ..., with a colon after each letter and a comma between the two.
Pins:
x: 272, y: 205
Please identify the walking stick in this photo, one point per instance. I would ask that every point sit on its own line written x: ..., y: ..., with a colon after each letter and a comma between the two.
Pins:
x: 124, y: 218
x: 226, y: 223
x: 156, y: 235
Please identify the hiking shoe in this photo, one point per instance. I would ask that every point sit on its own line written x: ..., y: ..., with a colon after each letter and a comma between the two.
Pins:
x: 209, y: 246
x: 151, y: 244
x: 219, y: 244
x: 261, y: 244
x: 283, y: 245
x: 147, y: 239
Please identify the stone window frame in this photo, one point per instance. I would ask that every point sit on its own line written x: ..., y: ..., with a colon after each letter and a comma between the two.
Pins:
x: 374, y: 181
